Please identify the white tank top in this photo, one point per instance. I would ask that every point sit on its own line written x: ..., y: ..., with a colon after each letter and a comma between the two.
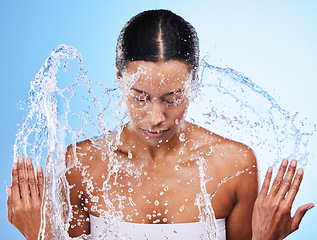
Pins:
x: 139, y: 231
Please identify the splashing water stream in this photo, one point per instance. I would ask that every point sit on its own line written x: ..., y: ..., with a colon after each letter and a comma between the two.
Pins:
x: 70, y: 108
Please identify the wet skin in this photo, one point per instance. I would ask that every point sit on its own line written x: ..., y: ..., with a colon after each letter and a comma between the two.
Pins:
x: 158, y: 174
x: 151, y: 144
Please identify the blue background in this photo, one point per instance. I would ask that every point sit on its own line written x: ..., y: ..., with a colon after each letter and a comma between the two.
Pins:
x: 273, y: 42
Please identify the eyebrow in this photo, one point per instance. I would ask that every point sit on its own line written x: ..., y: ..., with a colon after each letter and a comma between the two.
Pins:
x: 175, y: 91
x: 139, y: 91
x: 170, y: 93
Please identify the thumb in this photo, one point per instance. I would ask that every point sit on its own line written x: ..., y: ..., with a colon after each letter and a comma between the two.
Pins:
x: 299, y: 214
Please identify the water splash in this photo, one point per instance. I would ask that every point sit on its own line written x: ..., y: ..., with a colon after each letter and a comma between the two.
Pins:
x: 66, y: 107
x: 233, y: 106
x: 63, y: 109
x: 206, y: 212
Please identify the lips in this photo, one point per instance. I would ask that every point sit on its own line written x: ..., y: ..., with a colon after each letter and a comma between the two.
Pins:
x: 154, y: 134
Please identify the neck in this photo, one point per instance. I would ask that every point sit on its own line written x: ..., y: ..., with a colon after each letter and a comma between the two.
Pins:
x: 151, y: 154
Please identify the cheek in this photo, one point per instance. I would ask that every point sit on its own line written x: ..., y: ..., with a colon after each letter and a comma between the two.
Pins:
x: 135, y: 114
x: 179, y: 112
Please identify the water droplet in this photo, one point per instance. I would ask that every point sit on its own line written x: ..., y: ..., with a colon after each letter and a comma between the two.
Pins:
x: 130, y: 190
x: 106, y: 187
x: 95, y: 198
x: 177, y: 167
x: 182, y: 137
x: 93, y: 208
x: 182, y: 208
x: 156, y: 202
x: 165, y: 188
x: 129, y: 155
x: 132, y: 203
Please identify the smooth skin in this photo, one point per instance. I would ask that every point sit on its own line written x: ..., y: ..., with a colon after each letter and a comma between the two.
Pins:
x: 150, y: 111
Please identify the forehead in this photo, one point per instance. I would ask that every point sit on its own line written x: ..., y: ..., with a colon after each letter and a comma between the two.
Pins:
x: 162, y: 76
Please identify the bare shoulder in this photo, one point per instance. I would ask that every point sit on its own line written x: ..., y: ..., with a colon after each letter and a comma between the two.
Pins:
x: 236, y: 159
x: 236, y: 153
x: 226, y: 153
x: 86, y: 155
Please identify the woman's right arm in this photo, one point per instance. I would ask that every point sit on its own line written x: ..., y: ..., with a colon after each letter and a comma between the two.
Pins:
x: 24, y: 202
x: 25, y: 198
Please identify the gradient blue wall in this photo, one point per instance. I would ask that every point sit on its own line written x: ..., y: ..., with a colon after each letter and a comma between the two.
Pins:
x: 273, y: 42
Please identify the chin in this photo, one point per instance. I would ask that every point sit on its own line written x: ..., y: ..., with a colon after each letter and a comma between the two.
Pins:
x: 157, y: 141
x: 153, y: 140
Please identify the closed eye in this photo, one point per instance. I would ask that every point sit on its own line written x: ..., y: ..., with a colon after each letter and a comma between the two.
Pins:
x: 174, y: 102
x: 140, y: 99
x: 175, y: 97
x: 139, y: 95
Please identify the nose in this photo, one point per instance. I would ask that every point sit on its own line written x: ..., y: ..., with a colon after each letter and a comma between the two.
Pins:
x: 155, y: 113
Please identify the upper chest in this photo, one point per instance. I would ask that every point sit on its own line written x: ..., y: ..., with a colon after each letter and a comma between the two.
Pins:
x: 161, y: 193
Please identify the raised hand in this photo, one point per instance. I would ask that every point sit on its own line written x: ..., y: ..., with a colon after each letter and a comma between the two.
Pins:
x: 25, y: 198
x: 272, y: 218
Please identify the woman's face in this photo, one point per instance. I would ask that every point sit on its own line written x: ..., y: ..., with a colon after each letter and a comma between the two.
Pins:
x: 157, y: 98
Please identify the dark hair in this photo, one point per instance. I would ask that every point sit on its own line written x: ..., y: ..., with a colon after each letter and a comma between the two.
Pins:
x: 157, y: 35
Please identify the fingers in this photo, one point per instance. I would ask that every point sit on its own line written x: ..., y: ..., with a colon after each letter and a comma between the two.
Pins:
x: 283, y: 185
x: 15, y: 190
x: 40, y: 180
x: 24, y: 183
x: 31, y: 178
x: 23, y: 180
x: 295, y: 186
x: 299, y: 214
x: 266, y: 183
x: 287, y: 181
x: 9, y: 204
x: 279, y: 177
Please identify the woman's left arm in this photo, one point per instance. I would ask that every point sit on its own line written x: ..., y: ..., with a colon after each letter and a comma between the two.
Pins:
x: 272, y: 218
x: 238, y: 223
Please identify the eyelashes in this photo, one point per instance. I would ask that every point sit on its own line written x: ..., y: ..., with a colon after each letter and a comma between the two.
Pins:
x: 175, y: 102
x: 171, y: 102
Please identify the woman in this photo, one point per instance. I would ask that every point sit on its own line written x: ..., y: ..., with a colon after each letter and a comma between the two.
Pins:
x: 157, y: 160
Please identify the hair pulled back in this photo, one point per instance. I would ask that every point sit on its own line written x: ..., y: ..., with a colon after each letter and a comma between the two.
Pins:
x: 157, y: 36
